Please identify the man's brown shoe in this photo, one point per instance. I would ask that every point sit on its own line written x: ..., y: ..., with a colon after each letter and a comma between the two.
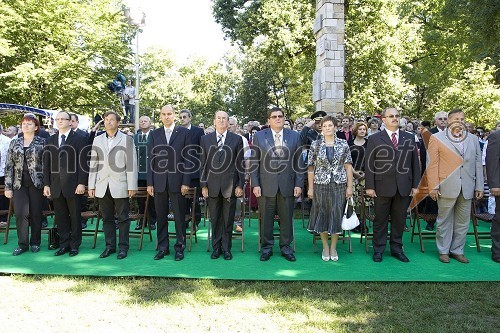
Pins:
x: 238, y: 229
x: 444, y: 258
x: 460, y: 258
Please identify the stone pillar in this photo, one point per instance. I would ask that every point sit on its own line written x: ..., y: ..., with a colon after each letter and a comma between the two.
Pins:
x: 328, y: 79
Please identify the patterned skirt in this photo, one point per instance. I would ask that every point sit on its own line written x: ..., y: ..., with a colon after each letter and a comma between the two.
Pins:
x: 327, y: 208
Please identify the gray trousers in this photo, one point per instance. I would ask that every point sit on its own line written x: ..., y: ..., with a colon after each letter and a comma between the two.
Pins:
x: 452, y: 224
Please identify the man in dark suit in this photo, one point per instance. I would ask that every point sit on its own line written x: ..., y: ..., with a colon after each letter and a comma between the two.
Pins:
x: 65, y: 173
x: 392, y: 174
x: 168, y: 179
x: 345, y: 131
x: 141, y: 140
x: 277, y: 176
x: 74, y: 126
x: 440, y: 122
x: 222, y: 179
x: 493, y: 175
x: 185, y: 117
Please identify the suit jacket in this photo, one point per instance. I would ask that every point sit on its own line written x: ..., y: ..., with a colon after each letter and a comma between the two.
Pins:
x: 222, y: 169
x: 451, y: 175
x: 272, y: 172
x: 195, y: 151
x: 142, y: 154
x: 64, y: 168
x: 388, y: 170
x: 493, y: 159
x: 114, y: 167
x: 167, y: 161
x: 15, y: 162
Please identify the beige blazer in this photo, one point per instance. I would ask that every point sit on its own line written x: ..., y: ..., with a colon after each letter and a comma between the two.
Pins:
x: 114, y: 167
x: 449, y: 171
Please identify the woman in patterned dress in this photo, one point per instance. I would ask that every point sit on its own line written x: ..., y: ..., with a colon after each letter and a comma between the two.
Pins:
x: 330, y: 179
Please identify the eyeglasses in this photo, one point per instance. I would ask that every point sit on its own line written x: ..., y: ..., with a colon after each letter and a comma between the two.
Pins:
x: 276, y: 117
x: 183, y: 117
x: 442, y: 118
x: 392, y: 116
x: 57, y: 119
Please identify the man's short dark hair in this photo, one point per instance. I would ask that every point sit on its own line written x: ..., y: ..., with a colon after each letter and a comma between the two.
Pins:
x: 186, y: 111
x: 452, y: 112
x: 71, y: 115
x: 274, y: 109
x: 117, y: 116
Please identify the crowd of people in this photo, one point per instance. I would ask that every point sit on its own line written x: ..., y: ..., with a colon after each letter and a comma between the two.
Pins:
x: 328, y: 160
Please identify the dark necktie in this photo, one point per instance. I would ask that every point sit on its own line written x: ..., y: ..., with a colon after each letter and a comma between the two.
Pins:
x: 143, y: 137
x: 63, y: 140
x: 394, y: 141
x: 219, y: 141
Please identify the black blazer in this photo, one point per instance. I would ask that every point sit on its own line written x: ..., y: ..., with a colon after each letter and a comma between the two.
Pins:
x: 222, y: 169
x: 388, y: 170
x: 66, y: 167
x: 195, y: 150
x: 168, y: 164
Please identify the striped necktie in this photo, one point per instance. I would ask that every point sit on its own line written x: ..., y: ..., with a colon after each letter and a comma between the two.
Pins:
x: 394, y: 141
x: 219, y: 141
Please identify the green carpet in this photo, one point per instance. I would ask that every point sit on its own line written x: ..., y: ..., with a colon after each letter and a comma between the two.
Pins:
x: 355, y: 266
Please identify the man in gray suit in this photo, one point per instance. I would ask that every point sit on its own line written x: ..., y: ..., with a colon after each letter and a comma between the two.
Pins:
x: 493, y: 173
x: 455, y: 176
x: 277, y: 177
x: 113, y: 179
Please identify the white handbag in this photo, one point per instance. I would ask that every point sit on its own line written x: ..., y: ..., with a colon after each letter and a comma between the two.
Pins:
x: 351, y: 222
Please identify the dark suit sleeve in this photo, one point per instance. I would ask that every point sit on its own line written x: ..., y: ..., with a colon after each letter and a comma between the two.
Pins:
x: 240, y: 167
x: 370, y: 164
x: 83, y: 160
x: 493, y: 160
x: 415, y: 164
x: 255, y: 162
x: 188, y: 160
x: 203, y: 161
x: 151, y: 144
x: 299, y: 165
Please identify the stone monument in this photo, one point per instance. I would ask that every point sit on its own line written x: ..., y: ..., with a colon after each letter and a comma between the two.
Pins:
x: 328, y: 79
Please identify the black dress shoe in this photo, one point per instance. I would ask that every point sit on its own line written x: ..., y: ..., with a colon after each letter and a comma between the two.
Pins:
x: 106, y: 253
x: 216, y: 254
x: 266, y: 256
x: 429, y: 227
x: 138, y: 227
x: 289, y: 256
x: 61, y: 251
x: 400, y: 256
x: 179, y: 256
x: 19, y: 251
x: 496, y: 258
x: 377, y: 257
x: 84, y: 226
x: 73, y: 253
x: 122, y: 254
x: 228, y: 255
x: 152, y: 226
x: 35, y: 248
x: 161, y: 254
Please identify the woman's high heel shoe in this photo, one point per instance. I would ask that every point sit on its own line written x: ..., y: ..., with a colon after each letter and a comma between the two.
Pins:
x: 325, y: 258
x: 335, y: 257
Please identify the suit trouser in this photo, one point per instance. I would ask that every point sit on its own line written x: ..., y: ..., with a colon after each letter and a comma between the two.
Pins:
x: 452, y: 224
x: 28, y: 210
x: 396, y: 207
x: 268, y: 207
x: 110, y: 207
x: 495, y: 230
x: 221, y: 217
x: 178, y: 207
x: 68, y: 215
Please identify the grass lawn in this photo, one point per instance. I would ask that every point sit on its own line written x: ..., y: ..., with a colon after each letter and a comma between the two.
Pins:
x: 86, y: 304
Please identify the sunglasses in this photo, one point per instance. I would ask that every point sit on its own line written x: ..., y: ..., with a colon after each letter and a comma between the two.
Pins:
x: 276, y: 117
x: 442, y: 118
x: 392, y: 116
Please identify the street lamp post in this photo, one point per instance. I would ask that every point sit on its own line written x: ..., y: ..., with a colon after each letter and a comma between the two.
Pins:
x: 137, y: 18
